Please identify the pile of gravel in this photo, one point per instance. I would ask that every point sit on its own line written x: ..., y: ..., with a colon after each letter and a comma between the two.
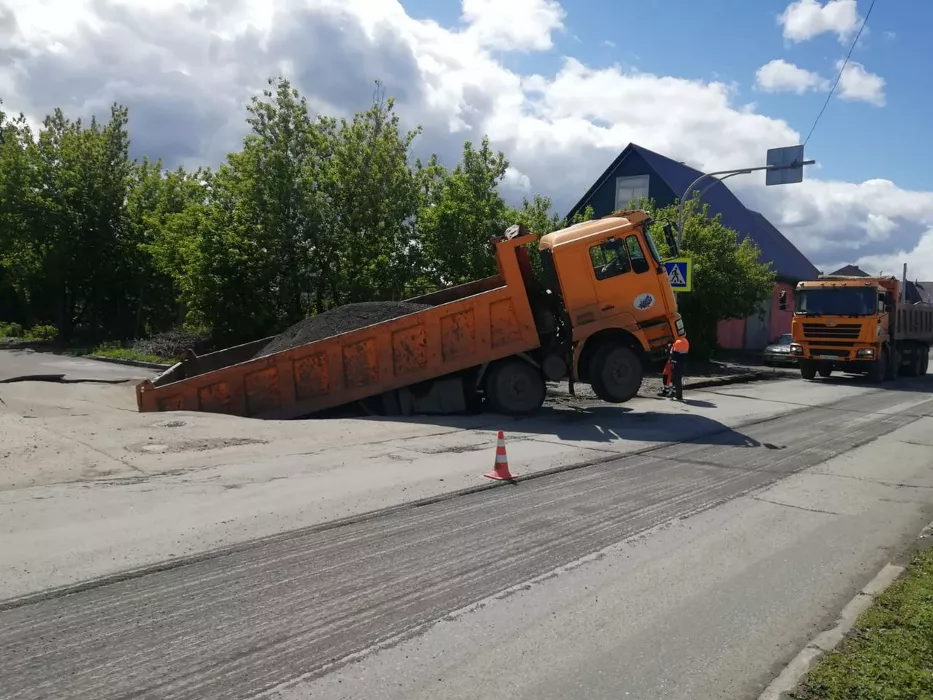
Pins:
x: 172, y: 344
x: 343, y: 319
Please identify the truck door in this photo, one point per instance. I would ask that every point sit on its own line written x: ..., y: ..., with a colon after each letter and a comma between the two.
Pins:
x: 625, y: 280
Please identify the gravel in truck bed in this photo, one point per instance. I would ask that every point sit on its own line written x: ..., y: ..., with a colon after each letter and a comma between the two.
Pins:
x: 343, y: 319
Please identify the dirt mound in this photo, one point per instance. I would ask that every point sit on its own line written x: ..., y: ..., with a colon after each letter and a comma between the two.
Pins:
x: 343, y: 319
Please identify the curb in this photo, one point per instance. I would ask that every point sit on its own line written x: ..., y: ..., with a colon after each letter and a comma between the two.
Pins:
x: 734, y: 379
x: 128, y: 363
x: 793, y: 674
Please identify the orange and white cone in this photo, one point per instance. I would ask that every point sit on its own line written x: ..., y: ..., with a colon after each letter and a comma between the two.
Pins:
x: 501, y: 470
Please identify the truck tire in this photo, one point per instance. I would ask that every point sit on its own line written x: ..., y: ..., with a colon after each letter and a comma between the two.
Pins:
x: 615, y: 373
x: 825, y: 372
x: 513, y: 387
x: 807, y: 370
x: 915, y: 368
x: 892, y: 365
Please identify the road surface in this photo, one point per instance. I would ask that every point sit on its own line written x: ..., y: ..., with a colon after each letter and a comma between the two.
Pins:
x: 19, y: 363
x: 687, y: 569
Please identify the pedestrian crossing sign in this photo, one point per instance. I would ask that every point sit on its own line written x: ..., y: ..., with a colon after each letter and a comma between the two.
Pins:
x: 680, y: 273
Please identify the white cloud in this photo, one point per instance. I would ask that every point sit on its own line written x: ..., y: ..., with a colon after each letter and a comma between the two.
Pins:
x: 187, y: 67
x: 515, y: 25
x: 919, y: 260
x: 856, y: 83
x: 780, y: 76
x: 803, y: 20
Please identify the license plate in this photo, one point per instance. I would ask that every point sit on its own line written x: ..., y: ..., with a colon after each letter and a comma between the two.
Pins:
x: 827, y: 357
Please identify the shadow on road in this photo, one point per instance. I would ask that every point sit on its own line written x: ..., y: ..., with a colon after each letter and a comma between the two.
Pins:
x: 599, y: 424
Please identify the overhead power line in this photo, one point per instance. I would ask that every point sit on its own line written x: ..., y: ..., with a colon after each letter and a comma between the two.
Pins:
x: 841, y: 69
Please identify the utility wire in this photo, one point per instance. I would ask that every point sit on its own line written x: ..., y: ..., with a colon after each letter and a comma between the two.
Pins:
x: 841, y: 69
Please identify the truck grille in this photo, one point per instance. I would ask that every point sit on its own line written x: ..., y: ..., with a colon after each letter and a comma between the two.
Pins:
x: 847, y: 331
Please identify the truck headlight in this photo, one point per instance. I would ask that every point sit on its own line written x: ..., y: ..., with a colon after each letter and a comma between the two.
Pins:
x: 796, y: 349
x: 865, y: 352
x: 679, y: 325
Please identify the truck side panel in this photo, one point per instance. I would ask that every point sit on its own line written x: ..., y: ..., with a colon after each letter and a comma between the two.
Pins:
x: 447, y: 338
x: 915, y: 323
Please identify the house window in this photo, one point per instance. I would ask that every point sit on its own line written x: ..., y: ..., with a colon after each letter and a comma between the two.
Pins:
x: 630, y: 189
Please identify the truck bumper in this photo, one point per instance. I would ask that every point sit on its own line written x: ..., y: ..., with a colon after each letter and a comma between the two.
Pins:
x: 854, y: 359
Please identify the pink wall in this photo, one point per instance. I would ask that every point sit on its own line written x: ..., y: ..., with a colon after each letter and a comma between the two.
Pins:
x: 780, y: 320
x: 730, y: 335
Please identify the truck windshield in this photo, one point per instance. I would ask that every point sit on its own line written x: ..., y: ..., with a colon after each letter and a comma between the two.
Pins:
x: 836, y: 302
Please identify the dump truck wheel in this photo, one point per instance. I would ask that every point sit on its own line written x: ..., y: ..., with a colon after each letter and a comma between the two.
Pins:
x: 892, y: 367
x: 515, y: 388
x: 826, y: 373
x: 615, y: 373
x: 807, y: 370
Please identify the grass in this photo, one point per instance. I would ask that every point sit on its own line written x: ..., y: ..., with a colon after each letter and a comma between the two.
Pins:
x: 889, y: 654
x: 130, y: 354
x: 119, y: 353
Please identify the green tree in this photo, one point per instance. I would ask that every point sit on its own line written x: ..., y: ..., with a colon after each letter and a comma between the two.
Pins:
x: 243, y: 244
x: 729, y: 279
x: 17, y: 187
x: 74, y: 254
x: 460, y: 212
x: 372, y: 200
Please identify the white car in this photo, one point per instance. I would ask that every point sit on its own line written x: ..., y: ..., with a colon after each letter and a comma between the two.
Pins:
x: 778, y: 352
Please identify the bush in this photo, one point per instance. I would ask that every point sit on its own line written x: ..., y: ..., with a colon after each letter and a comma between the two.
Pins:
x: 44, y: 331
x: 10, y: 330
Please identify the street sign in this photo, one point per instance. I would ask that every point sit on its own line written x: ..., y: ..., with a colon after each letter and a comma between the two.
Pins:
x: 787, y: 164
x: 680, y: 273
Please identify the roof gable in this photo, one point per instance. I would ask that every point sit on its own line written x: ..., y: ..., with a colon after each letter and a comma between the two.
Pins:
x: 787, y: 259
x: 850, y: 271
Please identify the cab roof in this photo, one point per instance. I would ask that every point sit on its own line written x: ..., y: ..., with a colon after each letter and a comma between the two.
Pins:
x: 623, y: 220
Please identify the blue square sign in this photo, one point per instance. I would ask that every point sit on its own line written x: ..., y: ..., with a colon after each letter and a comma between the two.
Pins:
x: 680, y: 273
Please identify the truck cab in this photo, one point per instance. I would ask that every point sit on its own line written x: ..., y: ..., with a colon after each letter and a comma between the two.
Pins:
x: 617, y: 300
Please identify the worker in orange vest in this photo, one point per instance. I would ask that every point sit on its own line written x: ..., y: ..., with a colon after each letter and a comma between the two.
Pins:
x: 666, y: 389
x: 679, y: 352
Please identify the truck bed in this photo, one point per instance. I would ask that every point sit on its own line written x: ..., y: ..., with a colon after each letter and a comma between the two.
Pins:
x: 914, y: 322
x: 465, y: 326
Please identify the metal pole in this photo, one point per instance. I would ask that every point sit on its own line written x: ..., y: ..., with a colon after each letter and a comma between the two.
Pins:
x: 725, y: 174
x: 904, y: 286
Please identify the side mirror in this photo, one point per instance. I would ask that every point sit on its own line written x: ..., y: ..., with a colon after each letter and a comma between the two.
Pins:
x: 782, y: 300
x: 670, y: 239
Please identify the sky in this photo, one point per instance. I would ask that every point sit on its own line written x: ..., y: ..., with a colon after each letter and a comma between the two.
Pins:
x: 561, y: 87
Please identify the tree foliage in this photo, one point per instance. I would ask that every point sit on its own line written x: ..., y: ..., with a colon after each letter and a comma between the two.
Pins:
x: 729, y: 279
x: 310, y: 213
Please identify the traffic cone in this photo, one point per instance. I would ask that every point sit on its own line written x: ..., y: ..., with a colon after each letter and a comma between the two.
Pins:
x: 501, y: 470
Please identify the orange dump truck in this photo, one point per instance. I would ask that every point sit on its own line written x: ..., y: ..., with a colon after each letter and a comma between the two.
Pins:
x: 860, y: 325
x: 605, y: 313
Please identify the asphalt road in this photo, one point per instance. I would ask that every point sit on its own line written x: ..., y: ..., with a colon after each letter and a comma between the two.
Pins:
x: 20, y: 363
x: 410, y: 604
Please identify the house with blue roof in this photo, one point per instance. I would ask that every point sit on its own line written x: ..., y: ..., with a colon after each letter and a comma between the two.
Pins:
x: 638, y: 172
